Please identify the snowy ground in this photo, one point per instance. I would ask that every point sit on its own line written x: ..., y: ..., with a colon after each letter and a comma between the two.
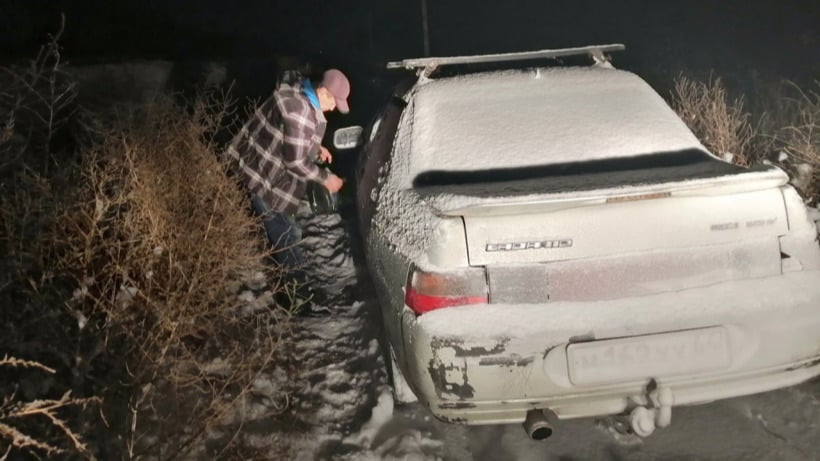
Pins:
x: 345, y: 411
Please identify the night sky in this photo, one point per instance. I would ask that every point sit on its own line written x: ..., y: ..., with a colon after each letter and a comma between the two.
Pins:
x: 764, y: 30
x: 740, y: 40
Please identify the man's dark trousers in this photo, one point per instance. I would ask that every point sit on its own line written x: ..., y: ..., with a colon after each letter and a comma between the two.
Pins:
x: 283, y: 233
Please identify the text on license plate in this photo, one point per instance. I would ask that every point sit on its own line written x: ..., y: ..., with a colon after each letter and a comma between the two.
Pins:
x: 650, y: 356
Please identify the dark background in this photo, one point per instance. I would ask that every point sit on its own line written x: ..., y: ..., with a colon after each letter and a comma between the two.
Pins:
x: 781, y: 37
x: 748, y: 43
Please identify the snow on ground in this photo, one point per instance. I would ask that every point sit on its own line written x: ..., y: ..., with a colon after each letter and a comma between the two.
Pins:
x: 343, y: 408
x: 343, y: 398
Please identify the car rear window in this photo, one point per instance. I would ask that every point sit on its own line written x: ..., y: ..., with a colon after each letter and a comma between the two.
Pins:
x: 505, y: 121
x: 652, y: 168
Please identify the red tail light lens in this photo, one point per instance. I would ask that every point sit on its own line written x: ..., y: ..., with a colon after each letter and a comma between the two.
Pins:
x: 427, y: 291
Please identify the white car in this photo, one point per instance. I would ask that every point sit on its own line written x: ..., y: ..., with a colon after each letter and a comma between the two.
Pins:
x: 555, y: 243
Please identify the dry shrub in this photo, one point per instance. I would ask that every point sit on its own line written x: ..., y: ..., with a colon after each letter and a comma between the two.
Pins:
x: 799, y: 137
x: 120, y: 265
x: 158, y: 245
x: 122, y: 252
x: 37, y: 109
x: 37, y: 101
x: 788, y: 123
x: 718, y: 121
x: 15, y: 414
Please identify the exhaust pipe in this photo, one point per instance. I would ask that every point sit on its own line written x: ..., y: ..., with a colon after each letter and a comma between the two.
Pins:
x: 537, y: 426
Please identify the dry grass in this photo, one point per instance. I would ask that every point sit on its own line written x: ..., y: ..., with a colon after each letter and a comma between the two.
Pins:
x: 160, y: 234
x: 36, y: 414
x: 36, y: 103
x: 158, y: 245
x: 15, y: 415
x: 789, y: 123
x: 719, y: 122
x: 799, y: 137
x: 123, y: 258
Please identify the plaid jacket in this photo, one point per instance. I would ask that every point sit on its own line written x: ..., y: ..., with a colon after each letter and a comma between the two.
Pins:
x: 278, y: 147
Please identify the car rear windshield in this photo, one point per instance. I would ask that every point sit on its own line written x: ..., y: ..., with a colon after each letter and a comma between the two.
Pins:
x: 594, y: 174
x: 539, y: 119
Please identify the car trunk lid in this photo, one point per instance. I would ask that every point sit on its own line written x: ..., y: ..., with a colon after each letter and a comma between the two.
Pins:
x: 633, y: 239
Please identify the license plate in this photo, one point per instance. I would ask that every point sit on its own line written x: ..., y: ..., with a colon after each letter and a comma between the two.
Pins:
x: 650, y: 356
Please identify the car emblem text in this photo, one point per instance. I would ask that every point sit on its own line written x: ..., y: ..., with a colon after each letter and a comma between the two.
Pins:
x: 533, y: 245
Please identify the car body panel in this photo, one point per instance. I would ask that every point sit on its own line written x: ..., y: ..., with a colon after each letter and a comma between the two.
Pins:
x: 515, y: 356
x: 647, y: 250
x: 623, y: 227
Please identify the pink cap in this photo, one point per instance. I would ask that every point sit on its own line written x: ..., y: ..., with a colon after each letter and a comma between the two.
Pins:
x: 339, y: 86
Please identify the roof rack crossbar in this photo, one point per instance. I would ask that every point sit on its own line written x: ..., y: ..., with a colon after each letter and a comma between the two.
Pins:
x: 431, y: 63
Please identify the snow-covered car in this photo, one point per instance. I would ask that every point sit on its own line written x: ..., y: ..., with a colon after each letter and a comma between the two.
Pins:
x: 554, y: 242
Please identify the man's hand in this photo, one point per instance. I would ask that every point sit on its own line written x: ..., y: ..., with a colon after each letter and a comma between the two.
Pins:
x: 324, y: 155
x: 333, y: 183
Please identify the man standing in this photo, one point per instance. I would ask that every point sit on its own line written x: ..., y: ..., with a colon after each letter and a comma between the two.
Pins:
x: 278, y: 150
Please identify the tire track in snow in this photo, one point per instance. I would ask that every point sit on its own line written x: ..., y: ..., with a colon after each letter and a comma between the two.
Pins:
x: 347, y: 401
x: 338, y: 352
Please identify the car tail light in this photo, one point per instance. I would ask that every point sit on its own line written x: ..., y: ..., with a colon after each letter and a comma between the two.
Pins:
x: 427, y: 291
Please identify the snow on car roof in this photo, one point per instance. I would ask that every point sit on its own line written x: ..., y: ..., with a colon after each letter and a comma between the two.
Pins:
x: 540, y: 117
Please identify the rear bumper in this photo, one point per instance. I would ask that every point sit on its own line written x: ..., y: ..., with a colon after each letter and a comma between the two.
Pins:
x: 490, y: 364
x: 617, y: 401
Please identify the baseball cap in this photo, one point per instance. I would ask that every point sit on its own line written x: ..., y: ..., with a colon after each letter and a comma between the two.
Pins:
x: 339, y: 86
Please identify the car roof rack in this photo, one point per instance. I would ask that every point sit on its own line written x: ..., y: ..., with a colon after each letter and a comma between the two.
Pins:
x: 426, y: 66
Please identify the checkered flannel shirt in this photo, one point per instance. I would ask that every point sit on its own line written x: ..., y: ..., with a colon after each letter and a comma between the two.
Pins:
x: 278, y: 147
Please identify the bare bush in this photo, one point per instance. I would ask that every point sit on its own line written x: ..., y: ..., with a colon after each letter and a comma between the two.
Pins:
x: 158, y: 244
x: 719, y: 122
x: 787, y: 126
x: 799, y: 137
x: 37, y: 104
x: 124, y: 264
x: 37, y: 101
x: 16, y: 413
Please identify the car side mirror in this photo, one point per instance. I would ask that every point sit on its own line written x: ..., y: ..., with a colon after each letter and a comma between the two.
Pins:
x: 347, y: 138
